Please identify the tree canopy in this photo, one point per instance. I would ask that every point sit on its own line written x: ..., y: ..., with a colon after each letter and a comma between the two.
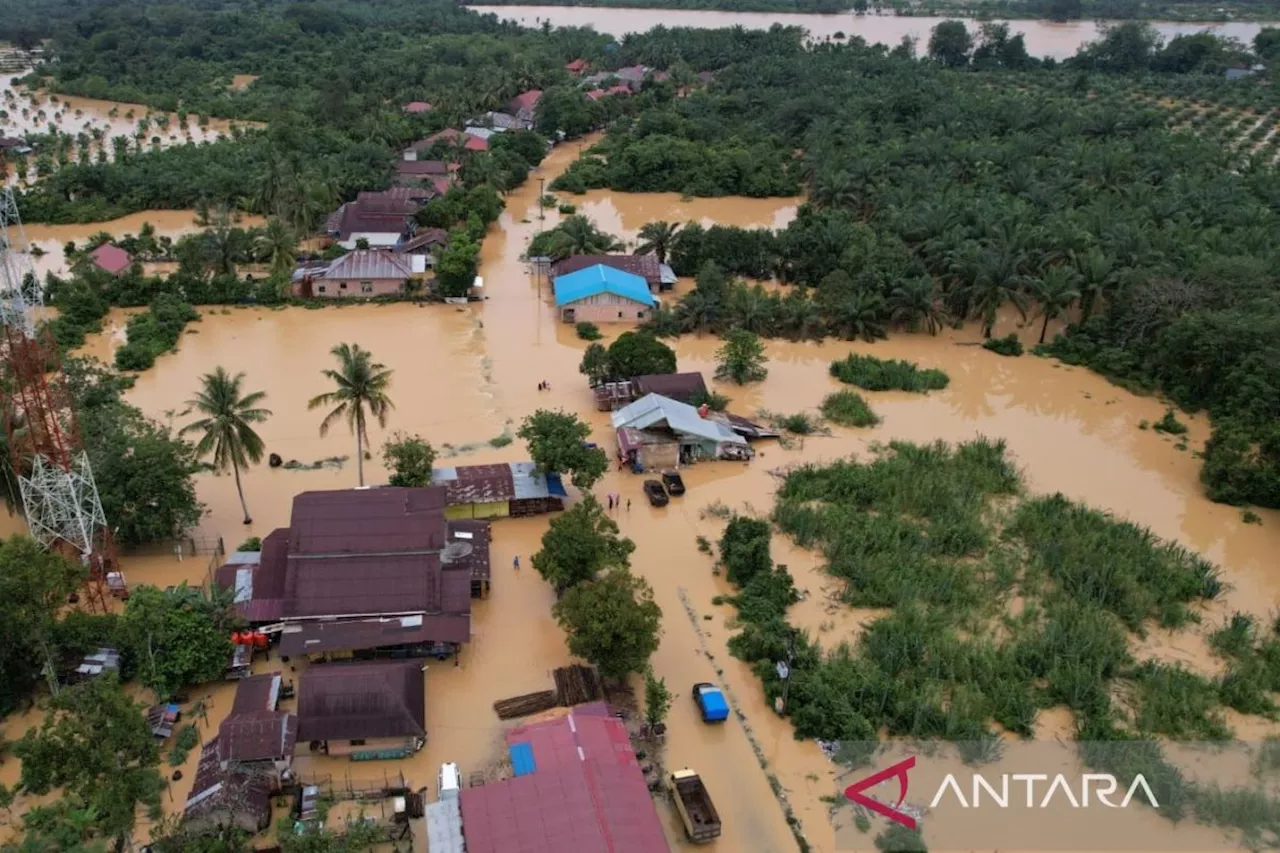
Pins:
x: 95, y: 745
x: 178, y: 636
x: 558, y: 442
x: 611, y: 621
x: 579, y: 544
x: 410, y: 458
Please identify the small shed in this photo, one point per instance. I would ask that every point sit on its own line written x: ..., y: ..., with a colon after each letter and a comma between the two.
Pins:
x: 221, y: 798
x: 655, y: 419
x: 505, y: 489
x: 111, y: 259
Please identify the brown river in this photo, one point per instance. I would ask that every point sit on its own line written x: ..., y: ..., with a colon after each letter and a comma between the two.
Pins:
x: 1043, y: 38
x: 465, y: 375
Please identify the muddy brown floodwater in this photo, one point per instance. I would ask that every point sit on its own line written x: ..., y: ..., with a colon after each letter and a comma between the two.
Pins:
x: 1043, y: 38
x: 465, y: 375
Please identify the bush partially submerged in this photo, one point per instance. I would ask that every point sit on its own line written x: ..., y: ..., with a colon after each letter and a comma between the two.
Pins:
x: 1008, y: 345
x: 874, y: 374
x: 847, y: 408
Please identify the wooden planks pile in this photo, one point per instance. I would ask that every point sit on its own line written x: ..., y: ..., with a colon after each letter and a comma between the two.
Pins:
x: 578, y: 684
x: 523, y: 706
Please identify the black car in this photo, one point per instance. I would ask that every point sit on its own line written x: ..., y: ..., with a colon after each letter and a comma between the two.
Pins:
x: 675, y: 485
x: 655, y: 493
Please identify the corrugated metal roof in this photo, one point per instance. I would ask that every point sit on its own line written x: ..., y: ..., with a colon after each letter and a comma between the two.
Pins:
x: 655, y: 410
x: 477, y: 535
x: 467, y: 484
x: 256, y: 693
x: 602, y: 279
x: 363, y: 521
x: 369, y: 264
x: 645, y: 266
x: 257, y: 736
x: 308, y: 638
x: 586, y: 794
x: 111, y: 258
x: 684, y: 387
x: 362, y: 585
x: 362, y: 699
x: 444, y: 827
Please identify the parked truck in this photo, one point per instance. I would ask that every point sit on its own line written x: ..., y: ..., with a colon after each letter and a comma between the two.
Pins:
x: 693, y: 802
x: 444, y: 816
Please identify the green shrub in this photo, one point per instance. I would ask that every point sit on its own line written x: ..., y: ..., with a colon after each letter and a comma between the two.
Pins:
x: 154, y: 332
x: 712, y: 400
x: 874, y: 374
x: 744, y: 548
x: 568, y: 209
x: 1170, y: 424
x: 847, y: 408
x: 253, y: 543
x: 1008, y: 345
x: 185, y: 741
x: 589, y: 331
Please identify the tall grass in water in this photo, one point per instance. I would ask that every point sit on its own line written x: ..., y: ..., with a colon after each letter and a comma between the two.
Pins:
x: 875, y: 374
x: 926, y: 533
x: 847, y: 408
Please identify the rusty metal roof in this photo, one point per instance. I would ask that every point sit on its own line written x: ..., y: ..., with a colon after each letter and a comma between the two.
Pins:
x: 256, y: 693
x: 466, y: 484
x: 685, y: 387
x: 362, y: 699
x: 215, y: 789
x: 355, y: 635
x: 257, y: 736
x: 645, y: 266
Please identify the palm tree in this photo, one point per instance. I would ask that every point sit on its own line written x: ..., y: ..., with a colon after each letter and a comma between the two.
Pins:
x: 578, y: 235
x: 278, y: 244
x: 361, y: 384
x: 657, y: 237
x: 861, y: 315
x: 1056, y: 293
x: 915, y: 301
x: 997, y: 282
x: 226, y: 428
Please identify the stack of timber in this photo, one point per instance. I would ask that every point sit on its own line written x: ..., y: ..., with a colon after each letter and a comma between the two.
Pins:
x: 523, y: 706
x: 578, y: 684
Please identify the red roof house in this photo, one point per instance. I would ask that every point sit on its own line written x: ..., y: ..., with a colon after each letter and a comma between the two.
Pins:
x: 523, y: 104
x: 585, y: 793
x: 111, y: 258
x: 417, y: 107
x: 457, y: 137
x: 577, y: 66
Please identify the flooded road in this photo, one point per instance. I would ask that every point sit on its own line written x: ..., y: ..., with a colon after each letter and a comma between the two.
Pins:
x: 1043, y: 38
x: 466, y: 375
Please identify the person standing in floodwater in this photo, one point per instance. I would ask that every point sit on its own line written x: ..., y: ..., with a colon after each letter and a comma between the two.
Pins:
x: 515, y: 563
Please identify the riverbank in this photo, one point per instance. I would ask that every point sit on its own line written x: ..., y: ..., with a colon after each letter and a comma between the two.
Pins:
x: 1043, y: 38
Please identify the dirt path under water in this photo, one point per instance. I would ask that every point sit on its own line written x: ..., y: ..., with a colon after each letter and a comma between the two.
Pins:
x: 465, y: 375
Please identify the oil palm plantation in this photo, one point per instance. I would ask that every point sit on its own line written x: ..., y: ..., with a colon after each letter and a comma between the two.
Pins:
x: 657, y: 238
x: 226, y: 425
x: 914, y: 303
x: 360, y: 392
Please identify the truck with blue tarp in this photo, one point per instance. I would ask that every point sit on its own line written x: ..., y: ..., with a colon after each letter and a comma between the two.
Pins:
x: 711, y: 703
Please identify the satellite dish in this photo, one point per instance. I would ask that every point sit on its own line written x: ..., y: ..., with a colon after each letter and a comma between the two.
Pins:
x: 454, y: 551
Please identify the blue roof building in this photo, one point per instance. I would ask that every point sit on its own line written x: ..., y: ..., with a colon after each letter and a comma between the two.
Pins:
x: 602, y: 294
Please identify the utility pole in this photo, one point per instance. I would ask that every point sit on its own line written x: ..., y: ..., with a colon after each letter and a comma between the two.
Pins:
x: 542, y: 219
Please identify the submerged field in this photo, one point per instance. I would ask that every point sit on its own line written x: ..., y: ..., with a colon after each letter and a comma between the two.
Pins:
x: 996, y: 606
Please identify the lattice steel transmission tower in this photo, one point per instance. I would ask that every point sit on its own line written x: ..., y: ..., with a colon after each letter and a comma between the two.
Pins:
x: 59, y: 496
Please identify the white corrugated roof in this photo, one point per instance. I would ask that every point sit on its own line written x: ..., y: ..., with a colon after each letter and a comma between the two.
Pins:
x: 653, y: 409
x: 370, y: 264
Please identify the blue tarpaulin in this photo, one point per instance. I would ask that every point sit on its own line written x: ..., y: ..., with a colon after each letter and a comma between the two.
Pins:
x: 522, y: 759
x: 555, y: 486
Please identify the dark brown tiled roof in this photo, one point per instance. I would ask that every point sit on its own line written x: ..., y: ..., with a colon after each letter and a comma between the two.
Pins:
x: 685, y: 387
x: 257, y: 736
x: 362, y: 699
x: 476, y: 563
x: 362, y: 585
x: 367, y: 521
x: 645, y: 266
x: 256, y: 693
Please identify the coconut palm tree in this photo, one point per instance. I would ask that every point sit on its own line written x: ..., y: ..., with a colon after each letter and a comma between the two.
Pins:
x: 226, y: 428
x: 657, y: 237
x: 361, y: 385
x: 1056, y: 293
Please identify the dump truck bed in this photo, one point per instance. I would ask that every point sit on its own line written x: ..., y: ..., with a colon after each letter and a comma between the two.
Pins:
x: 701, y: 820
